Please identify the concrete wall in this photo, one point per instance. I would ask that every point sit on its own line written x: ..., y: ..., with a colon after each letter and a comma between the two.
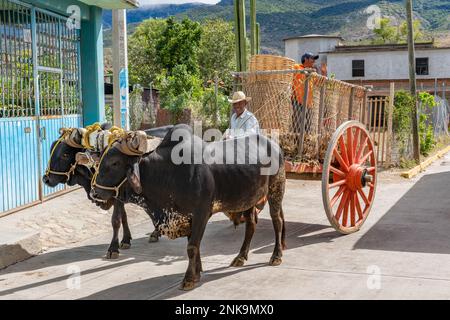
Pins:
x: 389, y: 65
x: 295, y: 48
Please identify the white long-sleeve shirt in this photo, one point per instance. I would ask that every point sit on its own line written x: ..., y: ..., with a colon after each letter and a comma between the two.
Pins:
x: 243, y: 125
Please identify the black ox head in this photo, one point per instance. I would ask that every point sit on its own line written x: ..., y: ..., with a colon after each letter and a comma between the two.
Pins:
x: 116, y: 170
x: 62, y: 159
x: 119, y: 167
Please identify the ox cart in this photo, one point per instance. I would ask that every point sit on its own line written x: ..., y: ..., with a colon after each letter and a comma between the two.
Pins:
x: 320, y: 126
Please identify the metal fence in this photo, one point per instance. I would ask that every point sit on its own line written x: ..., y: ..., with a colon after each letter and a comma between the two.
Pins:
x: 40, y: 92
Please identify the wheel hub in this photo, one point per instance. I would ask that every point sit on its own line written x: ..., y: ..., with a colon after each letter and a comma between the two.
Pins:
x: 355, y: 177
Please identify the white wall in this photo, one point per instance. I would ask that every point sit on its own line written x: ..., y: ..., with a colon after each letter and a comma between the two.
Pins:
x: 389, y: 65
x: 295, y: 48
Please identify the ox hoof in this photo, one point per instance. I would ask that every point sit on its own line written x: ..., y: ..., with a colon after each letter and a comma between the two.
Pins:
x: 187, y: 285
x: 274, y: 261
x: 111, y: 255
x: 153, y: 239
x: 125, y: 246
x: 238, y: 262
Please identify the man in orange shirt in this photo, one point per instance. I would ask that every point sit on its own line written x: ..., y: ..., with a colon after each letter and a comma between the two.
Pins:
x: 308, y: 61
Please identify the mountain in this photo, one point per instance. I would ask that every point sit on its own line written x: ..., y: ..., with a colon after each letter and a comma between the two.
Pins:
x: 152, y: 11
x: 283, y: 18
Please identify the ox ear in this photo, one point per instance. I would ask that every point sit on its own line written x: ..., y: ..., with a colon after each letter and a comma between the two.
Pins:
x: 134, y: 177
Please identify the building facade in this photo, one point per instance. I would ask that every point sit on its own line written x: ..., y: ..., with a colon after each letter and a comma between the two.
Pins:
x: 376, y: 66
x: 379, y: 65
x: 296, y: 46
x: 51, y: 77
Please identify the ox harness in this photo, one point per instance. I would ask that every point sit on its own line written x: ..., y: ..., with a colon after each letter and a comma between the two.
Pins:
x: 48, y: 171
x: 116, y: 135
x: 84, y: 144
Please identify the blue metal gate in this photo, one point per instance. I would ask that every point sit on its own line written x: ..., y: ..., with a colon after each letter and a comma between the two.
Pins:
x: 40, y: 93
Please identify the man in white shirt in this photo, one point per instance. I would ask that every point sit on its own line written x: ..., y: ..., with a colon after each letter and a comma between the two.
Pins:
x: 243, y: 122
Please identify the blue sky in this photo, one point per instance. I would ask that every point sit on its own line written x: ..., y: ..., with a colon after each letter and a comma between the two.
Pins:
x: 145, y: 2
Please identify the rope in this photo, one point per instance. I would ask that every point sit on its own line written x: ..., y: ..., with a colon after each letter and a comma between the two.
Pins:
x: 66, y: 132
x: 90, y: 129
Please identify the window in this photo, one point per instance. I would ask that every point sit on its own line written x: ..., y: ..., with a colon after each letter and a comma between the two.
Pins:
x: 358, y: 68
x: 422, y: 66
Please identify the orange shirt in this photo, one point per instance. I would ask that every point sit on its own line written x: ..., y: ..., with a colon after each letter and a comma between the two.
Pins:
x: 299, y: 86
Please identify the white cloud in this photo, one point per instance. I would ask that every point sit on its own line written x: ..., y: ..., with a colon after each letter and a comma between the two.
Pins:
x: 147, y: 2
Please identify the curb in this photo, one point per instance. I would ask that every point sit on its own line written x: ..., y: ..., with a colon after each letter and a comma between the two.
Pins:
x: 424, y: 164
x: 17, y: 245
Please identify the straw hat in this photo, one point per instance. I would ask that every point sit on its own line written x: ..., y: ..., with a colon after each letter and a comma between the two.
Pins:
x: 238, y: 97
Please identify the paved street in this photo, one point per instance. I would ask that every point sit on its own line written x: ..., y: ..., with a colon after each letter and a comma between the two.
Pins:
x: 402, y: 252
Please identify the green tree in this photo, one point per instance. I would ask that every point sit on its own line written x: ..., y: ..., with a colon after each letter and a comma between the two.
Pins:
x: 217, y: 51
x: 417, y: 27
x: 179, y: 89
x: 142, y: 52
x: 386, y: 33
x: 178, y: 45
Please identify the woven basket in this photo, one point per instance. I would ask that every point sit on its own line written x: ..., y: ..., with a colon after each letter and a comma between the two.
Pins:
x: 269, y: 62
x: 271, y: 92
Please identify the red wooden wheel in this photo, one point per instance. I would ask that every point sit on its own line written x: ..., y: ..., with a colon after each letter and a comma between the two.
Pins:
x: 349, y: 177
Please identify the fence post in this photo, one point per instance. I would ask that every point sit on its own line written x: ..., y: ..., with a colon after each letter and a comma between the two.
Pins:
x: 303, y: 118
x: 389, y: 125
x: 350, y: 104
x: 321, y: 115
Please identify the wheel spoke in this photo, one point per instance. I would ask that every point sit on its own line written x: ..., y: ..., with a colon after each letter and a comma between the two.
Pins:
x: 355, y: 143
x: 337, y: 195
x: 363, y: 196
x: 358, y: 207
x: 341, y: 205
x: 344, y: 150
x: 344, y: 218
x: 350, y: 146
x: 363, y: 159
x: 362, y: 147
x: 340, y: 160
x: 338, y: 184
x: 370, y: 184
x: 371, y: 169
x: 337, y: 171
x: 352, y: 209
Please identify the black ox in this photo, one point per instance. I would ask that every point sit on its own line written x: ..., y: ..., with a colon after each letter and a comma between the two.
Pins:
x: 182, y: 197
x: 65, y: 169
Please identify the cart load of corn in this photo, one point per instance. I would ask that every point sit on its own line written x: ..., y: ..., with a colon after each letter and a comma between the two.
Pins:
x: 302, y: 107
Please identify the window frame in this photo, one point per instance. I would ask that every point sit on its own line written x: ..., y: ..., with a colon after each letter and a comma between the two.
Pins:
x: 358, y: 72
x: 425, y: 72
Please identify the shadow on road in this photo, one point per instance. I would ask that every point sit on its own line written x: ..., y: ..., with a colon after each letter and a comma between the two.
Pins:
x: 221, y: 238
x: 418, y: 222
x: 145, y: 289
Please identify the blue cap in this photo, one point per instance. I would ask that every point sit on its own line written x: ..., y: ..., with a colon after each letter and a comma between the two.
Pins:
x: 309, y: 55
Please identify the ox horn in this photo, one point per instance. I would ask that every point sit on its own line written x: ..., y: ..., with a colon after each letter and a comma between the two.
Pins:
x: 74, y: 139
x: 138, y: 143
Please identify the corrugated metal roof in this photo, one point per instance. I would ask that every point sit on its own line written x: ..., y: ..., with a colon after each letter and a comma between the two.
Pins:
x: 113, y: 4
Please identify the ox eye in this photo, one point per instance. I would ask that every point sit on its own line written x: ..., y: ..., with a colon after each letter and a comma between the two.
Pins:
x: 65, y: 155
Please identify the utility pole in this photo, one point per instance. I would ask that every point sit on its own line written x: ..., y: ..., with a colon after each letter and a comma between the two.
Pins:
x: 120, y: 69
x: 412, y: 80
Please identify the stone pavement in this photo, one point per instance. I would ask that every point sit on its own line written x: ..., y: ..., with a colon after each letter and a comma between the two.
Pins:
x: 402, y: 252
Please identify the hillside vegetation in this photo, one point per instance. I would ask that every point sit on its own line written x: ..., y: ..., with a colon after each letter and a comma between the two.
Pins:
x: 283, y: 18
